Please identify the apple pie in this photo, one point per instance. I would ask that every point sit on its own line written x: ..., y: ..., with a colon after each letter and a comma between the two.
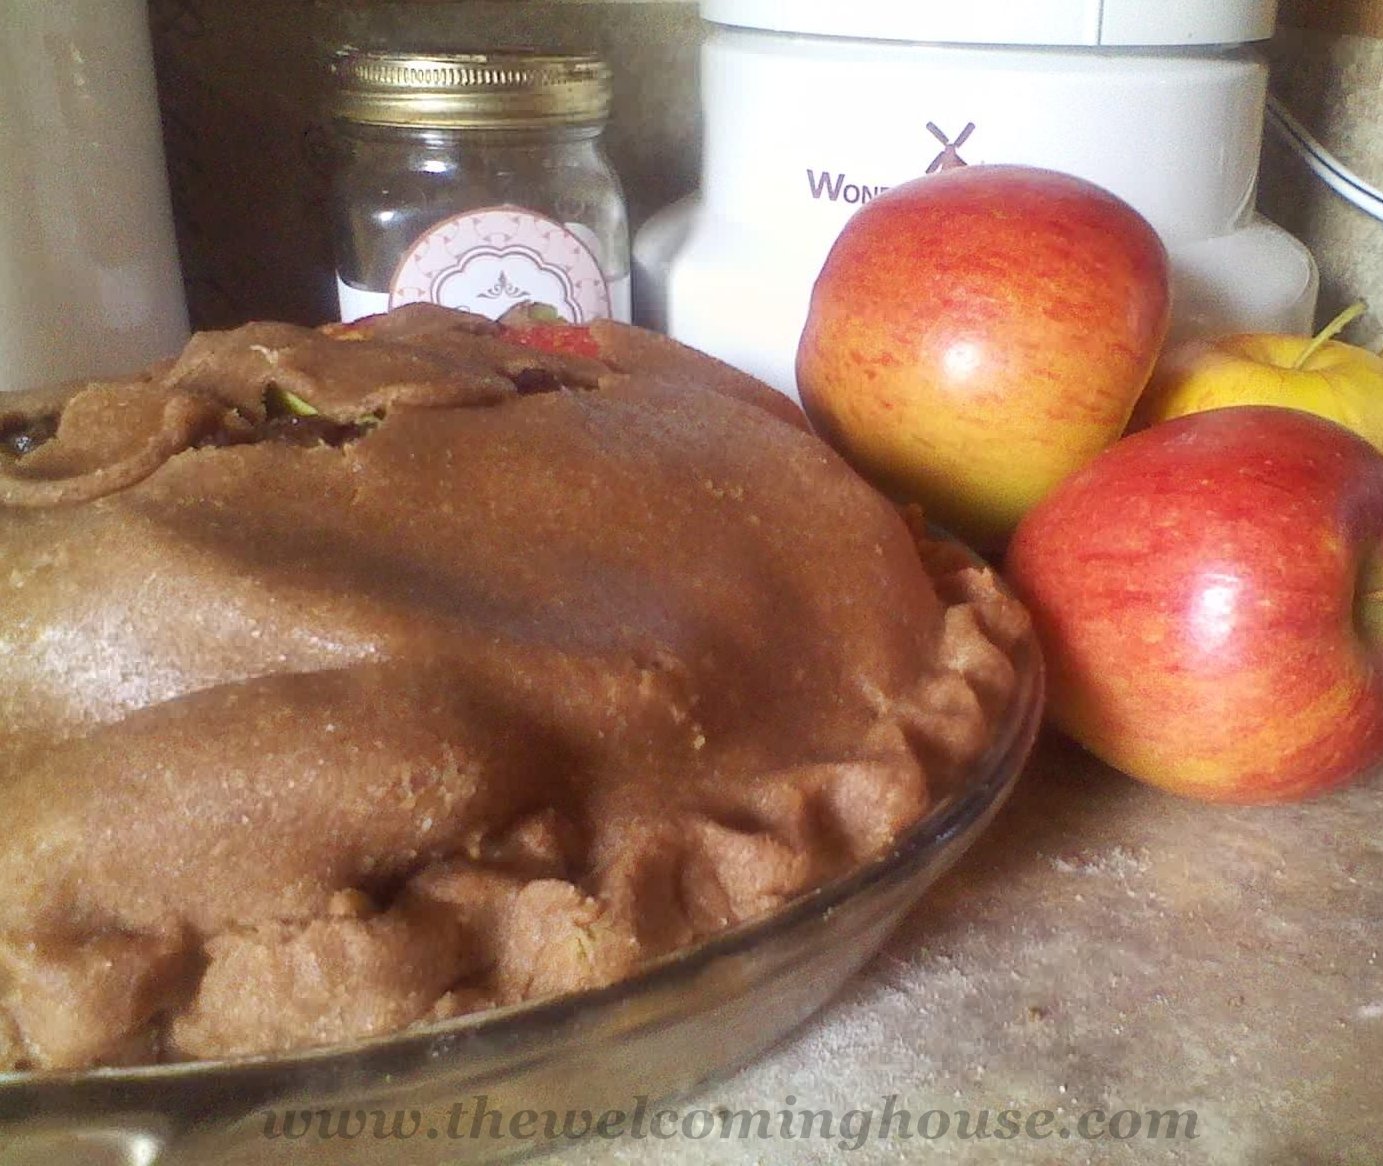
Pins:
x: 359, y: 677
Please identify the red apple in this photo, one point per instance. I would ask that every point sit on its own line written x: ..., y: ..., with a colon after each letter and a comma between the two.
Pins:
x: 978, y: 334
x: 1207, y: 593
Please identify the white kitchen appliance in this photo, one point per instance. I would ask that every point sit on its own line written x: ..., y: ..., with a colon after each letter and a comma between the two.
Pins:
x: 813, y: 107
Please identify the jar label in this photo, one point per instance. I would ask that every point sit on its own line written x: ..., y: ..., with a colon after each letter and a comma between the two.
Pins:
x: 490, y: 260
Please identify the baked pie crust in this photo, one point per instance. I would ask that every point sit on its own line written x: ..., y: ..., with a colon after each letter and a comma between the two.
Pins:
x: 359, y: 677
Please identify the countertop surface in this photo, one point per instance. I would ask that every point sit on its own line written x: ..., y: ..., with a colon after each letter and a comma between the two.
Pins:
x: 1104, y: 952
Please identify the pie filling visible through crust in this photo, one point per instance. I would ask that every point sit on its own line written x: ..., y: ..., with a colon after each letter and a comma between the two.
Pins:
x: 360, y: 677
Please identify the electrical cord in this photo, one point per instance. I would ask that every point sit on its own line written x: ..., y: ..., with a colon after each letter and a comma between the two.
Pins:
x: 1329, y: 169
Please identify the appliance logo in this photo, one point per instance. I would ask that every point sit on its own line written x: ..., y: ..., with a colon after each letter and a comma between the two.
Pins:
x: 949, y: 158
x: 835, y: 188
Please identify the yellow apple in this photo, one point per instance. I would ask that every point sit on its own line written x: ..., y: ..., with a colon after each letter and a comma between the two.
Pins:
x: 1319, y: 375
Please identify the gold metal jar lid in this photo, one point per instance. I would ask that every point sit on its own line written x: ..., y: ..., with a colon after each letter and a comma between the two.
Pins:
x: 506, y: 89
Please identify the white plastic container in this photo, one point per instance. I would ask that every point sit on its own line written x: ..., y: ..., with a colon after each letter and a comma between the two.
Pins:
x: 812, y: 107
x: 89, y: 276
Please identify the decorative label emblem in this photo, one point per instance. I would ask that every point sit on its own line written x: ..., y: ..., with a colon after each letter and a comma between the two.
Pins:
x: 487, y: 261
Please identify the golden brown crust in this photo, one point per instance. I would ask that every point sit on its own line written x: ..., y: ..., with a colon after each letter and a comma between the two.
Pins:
x: 525, y: 667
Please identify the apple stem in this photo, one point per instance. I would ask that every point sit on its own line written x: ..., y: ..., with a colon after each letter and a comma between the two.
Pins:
x: 1329, y: 332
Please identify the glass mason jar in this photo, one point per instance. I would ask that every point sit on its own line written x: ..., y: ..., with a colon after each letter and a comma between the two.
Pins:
x: 477, y: 181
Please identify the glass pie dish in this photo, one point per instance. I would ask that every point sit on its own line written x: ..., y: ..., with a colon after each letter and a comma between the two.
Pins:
x: 680, y: 1021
